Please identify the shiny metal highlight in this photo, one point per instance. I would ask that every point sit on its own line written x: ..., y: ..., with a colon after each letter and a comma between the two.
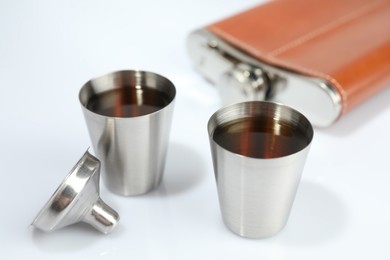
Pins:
x: 77, y: 200
x: 132, y: 149
x: 256, y: 194
x: 239, y: 77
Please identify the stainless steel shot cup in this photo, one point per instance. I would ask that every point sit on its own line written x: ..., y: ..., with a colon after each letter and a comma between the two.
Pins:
x: 259, y: 151
x: 128, y: 115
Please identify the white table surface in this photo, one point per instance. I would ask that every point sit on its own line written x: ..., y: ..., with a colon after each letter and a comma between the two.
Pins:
x: 49, y: 49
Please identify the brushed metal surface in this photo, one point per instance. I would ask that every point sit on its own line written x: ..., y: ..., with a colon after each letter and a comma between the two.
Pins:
x: 256, y: 194
x: 132, y: 149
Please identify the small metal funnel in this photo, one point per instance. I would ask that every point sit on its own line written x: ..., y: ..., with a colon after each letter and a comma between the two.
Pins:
x: 77, y: 200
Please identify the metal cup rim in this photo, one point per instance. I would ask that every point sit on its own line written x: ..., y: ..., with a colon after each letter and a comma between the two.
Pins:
x: 84, y: 96
x: 211, y: 125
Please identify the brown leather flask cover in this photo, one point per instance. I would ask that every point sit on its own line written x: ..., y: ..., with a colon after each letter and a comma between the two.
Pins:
x: 346, y: 43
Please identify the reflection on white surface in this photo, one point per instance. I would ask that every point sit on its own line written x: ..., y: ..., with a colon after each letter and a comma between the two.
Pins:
x: 374, y: 108
x: 185, y: 170
x: 63, y: 241
x: 318, y: 216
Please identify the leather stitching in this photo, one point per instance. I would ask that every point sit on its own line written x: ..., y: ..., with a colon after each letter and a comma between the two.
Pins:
x: 272, y: 57
x: 328, y: 27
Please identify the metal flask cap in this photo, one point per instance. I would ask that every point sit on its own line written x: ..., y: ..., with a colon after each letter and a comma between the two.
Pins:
x: 77, y: 200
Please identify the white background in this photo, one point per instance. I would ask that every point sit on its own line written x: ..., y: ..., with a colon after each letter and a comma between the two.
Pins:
x: 49, y: 49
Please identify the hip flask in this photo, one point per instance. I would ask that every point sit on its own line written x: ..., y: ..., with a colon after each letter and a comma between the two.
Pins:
x: 322, y: 57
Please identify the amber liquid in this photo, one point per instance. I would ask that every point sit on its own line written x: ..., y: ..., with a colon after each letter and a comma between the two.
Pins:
x: 128, y: 102
x: 260, y: 138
